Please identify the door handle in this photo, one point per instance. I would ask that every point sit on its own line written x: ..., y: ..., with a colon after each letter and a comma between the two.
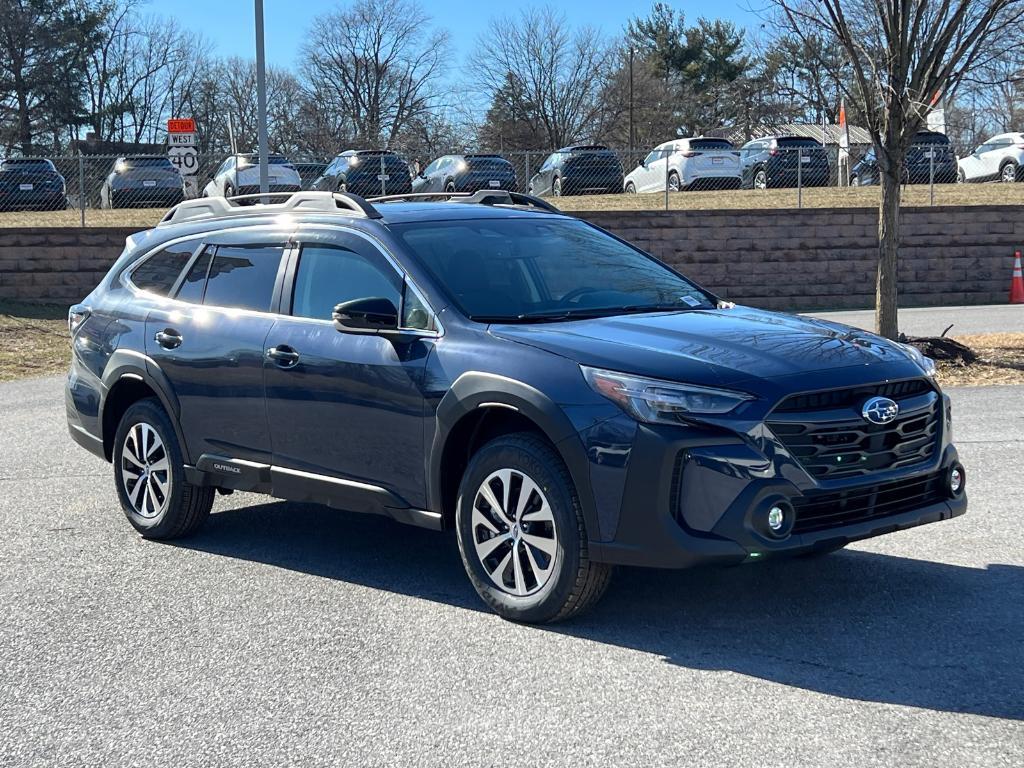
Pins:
x: 283, y: 356
x: 168, y: 338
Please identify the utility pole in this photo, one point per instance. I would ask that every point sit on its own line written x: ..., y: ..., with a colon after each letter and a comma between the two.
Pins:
x: 261, y: 101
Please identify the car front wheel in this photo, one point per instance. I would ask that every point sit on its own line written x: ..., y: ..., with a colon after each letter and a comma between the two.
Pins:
x: 149, y: 471
x: 1008, y: 173
x: 760, y: 179
x: 521, y: 533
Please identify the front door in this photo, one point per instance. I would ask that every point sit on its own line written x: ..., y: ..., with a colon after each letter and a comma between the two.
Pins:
x: 209, y: 344
x: 346, y: 406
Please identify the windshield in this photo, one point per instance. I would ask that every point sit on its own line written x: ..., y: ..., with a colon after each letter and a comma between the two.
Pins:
x: 532, y: 270
x: 26, y: 165
x: 148, y: 162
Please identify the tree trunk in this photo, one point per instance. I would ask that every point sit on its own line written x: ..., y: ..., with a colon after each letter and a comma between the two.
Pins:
x: 886, y: 323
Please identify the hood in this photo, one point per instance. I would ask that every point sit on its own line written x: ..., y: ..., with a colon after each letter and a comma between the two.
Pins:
x: 714, y: 347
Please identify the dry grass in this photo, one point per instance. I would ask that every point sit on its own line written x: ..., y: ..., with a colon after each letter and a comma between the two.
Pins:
x: 33, y: 340
x: 821, y: 197
x: 1000, y: 361
x: 818, y: 197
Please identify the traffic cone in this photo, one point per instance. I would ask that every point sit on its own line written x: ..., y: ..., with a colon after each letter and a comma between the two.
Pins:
x: 1017, y: 282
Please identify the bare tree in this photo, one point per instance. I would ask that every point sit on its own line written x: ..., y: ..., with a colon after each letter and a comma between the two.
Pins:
x: 377, y: 65
x: 556, y: 74
x: 902, y: 53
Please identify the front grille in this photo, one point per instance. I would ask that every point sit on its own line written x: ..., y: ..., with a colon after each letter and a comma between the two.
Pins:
x: 826, y: 433
x: 819, y: 510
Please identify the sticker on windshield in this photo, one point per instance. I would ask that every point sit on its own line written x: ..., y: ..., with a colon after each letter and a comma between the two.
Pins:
x: 691, y: 301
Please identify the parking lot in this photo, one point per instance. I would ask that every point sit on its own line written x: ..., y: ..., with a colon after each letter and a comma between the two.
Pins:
x: 293, y: 634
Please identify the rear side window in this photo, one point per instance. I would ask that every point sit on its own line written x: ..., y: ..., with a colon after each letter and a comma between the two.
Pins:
x: 159, y: 272
x: 194, y: 284
x: 329, y: 275
x: 243, y: 278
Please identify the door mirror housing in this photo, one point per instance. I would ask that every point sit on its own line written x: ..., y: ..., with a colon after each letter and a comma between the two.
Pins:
x: 369, y: 315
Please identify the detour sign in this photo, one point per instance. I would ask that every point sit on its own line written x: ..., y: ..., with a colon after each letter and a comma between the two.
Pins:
x: 181, y: 125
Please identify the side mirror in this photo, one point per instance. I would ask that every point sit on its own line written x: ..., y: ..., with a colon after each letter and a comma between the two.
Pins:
x: 369, y: 315
x: 643, y: 163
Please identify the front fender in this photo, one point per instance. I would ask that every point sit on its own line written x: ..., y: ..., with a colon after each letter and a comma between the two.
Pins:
x: 475, y: 389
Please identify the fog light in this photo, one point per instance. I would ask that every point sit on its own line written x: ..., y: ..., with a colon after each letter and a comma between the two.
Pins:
x: 956, y: 480
x: 776, y: 518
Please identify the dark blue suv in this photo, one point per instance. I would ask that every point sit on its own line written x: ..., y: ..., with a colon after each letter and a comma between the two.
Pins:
x: 560, y: 399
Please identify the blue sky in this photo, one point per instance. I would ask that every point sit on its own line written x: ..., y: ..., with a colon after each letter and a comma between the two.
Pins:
x: 228, y: 24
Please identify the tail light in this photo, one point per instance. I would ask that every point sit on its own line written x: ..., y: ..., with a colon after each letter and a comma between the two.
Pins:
x: 76, y: 316
x: 774, y: 153
x: 1019, y: 145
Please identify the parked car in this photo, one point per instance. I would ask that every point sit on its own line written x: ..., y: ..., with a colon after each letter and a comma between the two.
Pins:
x: 930, y: 157
x: 240, y: 175
x: 466, y: 173
x: 998, y: 159
x: 309, y: 173
x: 360, y: 170
x: 699, y: 163
x: 784, y: 161
x: 142, y: 181
x: 31, y: 183
x: 583, y: 169
x: 561, y: 400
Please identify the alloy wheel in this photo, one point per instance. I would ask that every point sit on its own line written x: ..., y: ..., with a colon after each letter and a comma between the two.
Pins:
x: 513, y: 531
x: 145, y: 471
x: 761, y: 180
x: 1009, y: 172
x: 673, y: 182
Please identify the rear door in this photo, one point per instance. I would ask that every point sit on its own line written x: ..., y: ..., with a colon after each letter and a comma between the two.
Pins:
x: 346, y: 410
x: 713, y: 157
x: 209, y: 342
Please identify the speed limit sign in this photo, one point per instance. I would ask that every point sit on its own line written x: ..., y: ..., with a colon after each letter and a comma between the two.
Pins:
x: 185, y: 159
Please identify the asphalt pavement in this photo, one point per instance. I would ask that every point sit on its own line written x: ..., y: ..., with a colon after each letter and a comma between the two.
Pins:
x: 932, y: 321
x: 289, y: 634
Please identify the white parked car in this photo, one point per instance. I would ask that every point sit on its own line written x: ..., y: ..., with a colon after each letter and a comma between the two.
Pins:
x: 698, y: 163
x: 240, y: 175
x: 998, y: 159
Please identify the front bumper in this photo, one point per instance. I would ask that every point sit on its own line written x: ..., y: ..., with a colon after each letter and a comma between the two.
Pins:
x: 691, y: 496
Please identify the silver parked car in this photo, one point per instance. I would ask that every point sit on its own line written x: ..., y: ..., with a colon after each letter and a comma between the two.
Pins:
x: 697, y: 163
x: 998, y: 159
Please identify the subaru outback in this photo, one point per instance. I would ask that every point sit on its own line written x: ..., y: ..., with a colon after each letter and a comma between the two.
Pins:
x: 484, y: 364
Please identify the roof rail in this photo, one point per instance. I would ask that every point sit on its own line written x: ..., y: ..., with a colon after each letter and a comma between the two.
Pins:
x: 481, y: 197
x: 219, y: 207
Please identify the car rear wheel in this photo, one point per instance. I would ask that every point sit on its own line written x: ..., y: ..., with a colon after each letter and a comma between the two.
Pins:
x: 630, y: 188
x: 342, y: 186
x: 449, y: 187
x: 521, y: 533
x: 149, y: 471
x: 760, y: 179
x: 229, y: 191
x: 1008, y: 173
x: 961, y: 177
x: 673, y: 182
x: 556, y: 188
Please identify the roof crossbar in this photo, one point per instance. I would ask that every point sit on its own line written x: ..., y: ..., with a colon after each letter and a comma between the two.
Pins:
x: 219, y: 207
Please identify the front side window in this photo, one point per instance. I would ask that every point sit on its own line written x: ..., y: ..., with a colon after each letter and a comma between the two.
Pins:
x: 243, y: 277
x: 330, y: 275
x: 159, y: 272
x: 522, y: 270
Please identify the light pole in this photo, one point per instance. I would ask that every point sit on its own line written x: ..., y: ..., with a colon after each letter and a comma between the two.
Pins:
x: 261, y: 102
x: 632, y: 138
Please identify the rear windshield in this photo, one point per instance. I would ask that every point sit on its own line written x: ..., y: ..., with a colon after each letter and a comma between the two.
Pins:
x: 797, y: 141
x: 147, y: 162
x: 532, y: 270
x: 931, y: 138
x: 711, y: 144
x: 26, y: 165
x: 489, y: 162
x: 271, y: 160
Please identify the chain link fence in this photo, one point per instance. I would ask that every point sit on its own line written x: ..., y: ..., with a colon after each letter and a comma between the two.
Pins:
x: 797, y: 172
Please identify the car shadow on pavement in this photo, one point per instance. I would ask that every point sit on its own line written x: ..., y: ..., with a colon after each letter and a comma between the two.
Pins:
x: 854, y: 624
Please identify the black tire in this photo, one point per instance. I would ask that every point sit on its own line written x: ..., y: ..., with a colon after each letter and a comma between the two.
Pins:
x: 187, y: 506
x: 759, y: 172
x: 630, y: 188
x: 556, y: 187
x: 1006, y: 175
x: 229, y: 190
x: 342, y: 186
x: 575, y: 583
x: 449, y: 187
x: 961, y: 177
x: 676, y: 187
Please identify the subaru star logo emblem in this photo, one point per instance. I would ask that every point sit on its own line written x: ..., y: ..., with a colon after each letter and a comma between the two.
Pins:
x: 880, y: 410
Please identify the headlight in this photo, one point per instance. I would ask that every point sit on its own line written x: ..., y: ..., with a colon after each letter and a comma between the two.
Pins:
x: 926, y: 363
x: 663, y: 402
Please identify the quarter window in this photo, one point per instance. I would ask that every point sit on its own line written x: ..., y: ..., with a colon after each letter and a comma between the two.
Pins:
x: 159, y: 272
x: 243, y: 278
x: 330, y: 275
x: 194, y: 284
